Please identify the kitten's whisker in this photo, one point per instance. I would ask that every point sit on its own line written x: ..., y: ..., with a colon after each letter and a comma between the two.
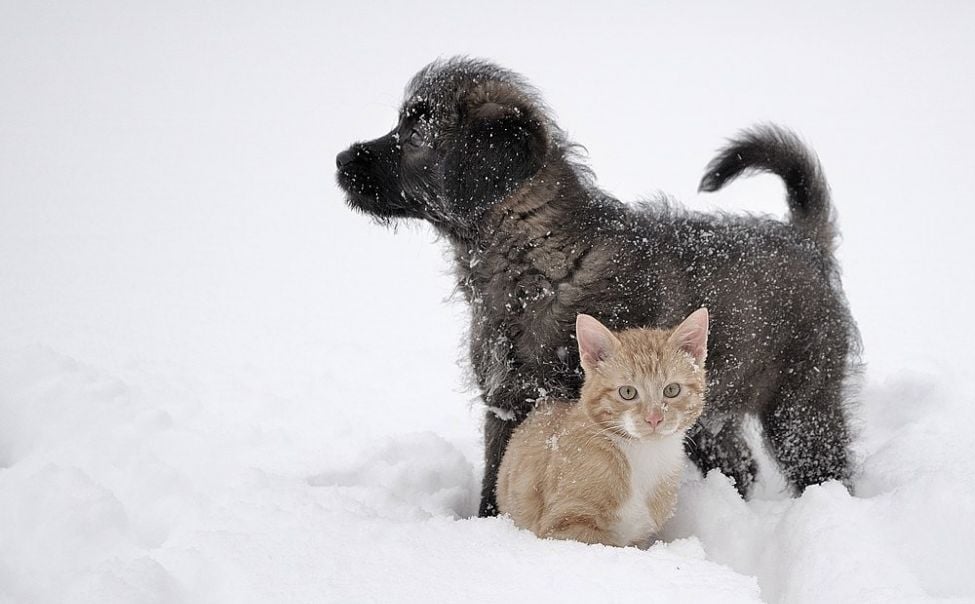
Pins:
x: 600, y: 433
x: 613, y: 428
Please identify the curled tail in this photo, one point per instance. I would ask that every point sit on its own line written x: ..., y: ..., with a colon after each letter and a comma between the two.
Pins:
x: 779, y: 151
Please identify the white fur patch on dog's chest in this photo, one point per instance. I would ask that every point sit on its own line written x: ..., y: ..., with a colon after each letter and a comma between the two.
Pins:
x: 651, y: 463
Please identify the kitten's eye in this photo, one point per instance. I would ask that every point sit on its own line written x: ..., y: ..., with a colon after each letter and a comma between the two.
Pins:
x: 671, y: 390
x: 627, y: 393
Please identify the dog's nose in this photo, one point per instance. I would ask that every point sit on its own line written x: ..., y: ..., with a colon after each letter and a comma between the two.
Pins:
x: 344, y: 158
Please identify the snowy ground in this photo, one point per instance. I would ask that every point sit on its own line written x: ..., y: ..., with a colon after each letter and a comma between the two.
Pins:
x: 218, y: 384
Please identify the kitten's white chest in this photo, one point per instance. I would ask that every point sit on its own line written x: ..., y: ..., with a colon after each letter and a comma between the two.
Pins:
x: 652, y: 463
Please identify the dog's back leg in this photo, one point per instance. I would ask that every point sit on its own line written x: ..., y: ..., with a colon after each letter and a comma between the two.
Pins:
x: 727, y: 451
x: 806, y: 430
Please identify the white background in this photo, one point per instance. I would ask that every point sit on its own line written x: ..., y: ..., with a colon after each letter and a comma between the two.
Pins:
x: 217, y: 382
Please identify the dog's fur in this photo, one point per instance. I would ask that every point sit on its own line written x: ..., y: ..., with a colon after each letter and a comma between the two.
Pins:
x: 476, y: 154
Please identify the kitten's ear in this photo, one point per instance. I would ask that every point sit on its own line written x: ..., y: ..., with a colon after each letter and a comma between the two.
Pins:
x: 596, y: 343
x: 691, y: 336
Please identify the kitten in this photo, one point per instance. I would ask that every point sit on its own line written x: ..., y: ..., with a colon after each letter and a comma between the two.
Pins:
x: 605, y: 469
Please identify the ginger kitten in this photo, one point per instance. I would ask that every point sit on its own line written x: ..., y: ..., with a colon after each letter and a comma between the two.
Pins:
x: 605, y: 469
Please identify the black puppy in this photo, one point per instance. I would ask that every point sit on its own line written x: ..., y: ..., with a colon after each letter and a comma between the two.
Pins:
x: 536, y: 243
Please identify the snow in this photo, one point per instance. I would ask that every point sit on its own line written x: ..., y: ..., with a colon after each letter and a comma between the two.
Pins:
x: 219, y: 384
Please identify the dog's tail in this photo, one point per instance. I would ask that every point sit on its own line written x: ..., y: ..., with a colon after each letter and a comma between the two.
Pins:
x: 773, y: 149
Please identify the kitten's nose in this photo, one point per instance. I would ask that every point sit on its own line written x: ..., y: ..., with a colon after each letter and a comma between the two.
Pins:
x: 654, y: 418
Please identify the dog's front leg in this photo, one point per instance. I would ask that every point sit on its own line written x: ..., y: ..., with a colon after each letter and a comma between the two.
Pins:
x: 497, y: 433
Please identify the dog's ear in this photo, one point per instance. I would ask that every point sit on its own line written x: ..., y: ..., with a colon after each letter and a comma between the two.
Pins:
x: 501, y: 141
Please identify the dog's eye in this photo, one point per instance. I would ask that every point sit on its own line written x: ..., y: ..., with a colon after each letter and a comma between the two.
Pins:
x: 415, y: 138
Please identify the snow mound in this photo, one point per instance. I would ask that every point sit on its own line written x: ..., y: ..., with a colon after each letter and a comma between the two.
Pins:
x: 897, y: 539
x: 138, y: 486
x: 413, y: 476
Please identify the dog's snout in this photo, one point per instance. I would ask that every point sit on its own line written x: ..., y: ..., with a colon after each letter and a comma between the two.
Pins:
x: 344, y: 158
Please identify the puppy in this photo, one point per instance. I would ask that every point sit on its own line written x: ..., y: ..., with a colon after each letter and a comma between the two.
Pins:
x: 476, y: 154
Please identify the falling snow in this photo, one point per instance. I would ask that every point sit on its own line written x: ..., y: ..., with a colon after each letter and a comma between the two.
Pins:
x: 218, y: 384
